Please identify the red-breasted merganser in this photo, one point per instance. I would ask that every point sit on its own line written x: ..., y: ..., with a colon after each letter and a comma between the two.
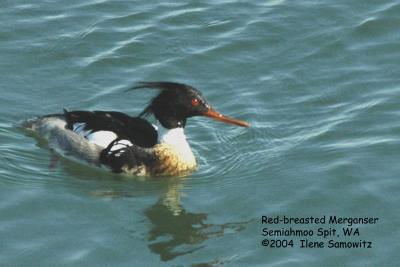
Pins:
x: 132, y: 144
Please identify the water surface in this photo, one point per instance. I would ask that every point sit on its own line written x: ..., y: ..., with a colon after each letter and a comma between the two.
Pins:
x: 318, y: 81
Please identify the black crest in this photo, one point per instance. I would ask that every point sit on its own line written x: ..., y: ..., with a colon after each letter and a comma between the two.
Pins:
x: 173, y: 105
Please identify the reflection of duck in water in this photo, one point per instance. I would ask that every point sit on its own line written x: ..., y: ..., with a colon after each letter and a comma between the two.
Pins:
x: 171, y: 230
x: 131, y: 144
x: 176, y: 232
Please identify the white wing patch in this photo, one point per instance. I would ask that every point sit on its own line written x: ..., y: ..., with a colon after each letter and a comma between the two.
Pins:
x: 100, y: 138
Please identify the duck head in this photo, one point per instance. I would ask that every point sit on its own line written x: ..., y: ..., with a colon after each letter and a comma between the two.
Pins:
x: 177, y: 102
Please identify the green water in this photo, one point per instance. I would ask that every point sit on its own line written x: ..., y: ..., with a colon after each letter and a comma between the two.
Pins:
x: 318, y: 81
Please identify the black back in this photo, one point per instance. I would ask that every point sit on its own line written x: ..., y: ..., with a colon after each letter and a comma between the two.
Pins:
x: 137, y: 130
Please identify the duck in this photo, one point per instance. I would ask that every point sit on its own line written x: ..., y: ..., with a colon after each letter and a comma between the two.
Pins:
x: 131, y: 144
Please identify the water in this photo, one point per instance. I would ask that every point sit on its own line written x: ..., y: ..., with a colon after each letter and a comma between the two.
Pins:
x: 318, y: 81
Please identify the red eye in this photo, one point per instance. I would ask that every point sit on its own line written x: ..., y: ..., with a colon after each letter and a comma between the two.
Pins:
x: 195, y: 102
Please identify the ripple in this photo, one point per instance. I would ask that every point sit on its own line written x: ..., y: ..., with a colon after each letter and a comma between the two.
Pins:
x: 233, y: 155
x: 20, y: 164
x: 111, y: 52
x: 171, y: 15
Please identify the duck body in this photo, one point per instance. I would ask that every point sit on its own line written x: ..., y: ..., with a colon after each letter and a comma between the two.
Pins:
x: 129, y: 144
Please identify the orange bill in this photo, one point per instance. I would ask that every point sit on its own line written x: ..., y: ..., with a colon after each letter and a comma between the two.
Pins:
x: 219, y: 117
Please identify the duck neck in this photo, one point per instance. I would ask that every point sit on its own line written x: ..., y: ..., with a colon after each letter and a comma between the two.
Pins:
x: 176, y: 139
